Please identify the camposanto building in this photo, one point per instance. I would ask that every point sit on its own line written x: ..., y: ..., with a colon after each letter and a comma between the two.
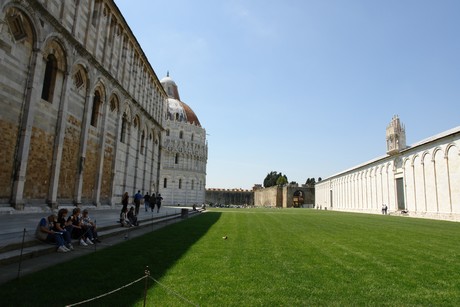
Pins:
x: 82, y: 111
x: 185, y: 152
x: 421, y: 180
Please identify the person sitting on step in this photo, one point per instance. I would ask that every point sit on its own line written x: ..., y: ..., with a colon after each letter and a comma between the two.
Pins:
x: 64, y: 227
x: 45, y: 232
x: 132, y: 217
x: 90, y: 227
x: 78, y: 232
x: 124, y: 218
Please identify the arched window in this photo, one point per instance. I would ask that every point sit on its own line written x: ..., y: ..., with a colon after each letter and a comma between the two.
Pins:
x: 165, y: 183
x: 142, y: 142
x: 124, y: 128
x: 49, y: 80
x: 193, y: 136
x: 181, y: 135
x: 193, y: 184
x: 96, y: 107
x: 180, y: 183
x: 167, y: 132
x: 176, y: 159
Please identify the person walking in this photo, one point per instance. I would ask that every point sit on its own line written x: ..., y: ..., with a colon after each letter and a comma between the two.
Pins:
x: 137, y: 201
x: 147, y: 201
x: 158, y: 202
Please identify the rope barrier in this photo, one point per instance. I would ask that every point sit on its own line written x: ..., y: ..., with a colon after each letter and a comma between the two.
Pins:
x: 108, y: 293
x: 173, y: 292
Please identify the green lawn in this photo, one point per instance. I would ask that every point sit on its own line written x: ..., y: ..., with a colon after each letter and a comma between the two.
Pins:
x: 272, y: 257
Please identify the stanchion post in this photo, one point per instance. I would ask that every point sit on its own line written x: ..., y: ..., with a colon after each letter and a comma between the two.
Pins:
x: 147, y: 274
x: 22, y: 248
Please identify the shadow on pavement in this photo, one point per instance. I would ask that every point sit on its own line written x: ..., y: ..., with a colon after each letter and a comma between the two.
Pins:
x: 98, y: 273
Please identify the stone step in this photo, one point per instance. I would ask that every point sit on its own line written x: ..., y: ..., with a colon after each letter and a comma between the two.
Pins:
x: 32, y: 247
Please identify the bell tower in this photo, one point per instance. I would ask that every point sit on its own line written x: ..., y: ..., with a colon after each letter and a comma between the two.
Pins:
x: 396, y: 136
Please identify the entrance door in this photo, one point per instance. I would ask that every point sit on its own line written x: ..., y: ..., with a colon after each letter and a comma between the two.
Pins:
x: 400, y: 193
x: 332, y: 204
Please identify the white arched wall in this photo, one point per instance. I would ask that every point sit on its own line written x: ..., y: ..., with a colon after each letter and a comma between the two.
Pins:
x: 431, y: 174
x: 453, y: 158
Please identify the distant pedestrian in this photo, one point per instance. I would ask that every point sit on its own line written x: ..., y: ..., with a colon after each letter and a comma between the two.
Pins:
x: 158, y: 202
x: 386, y: 209
x: 383, y: 209
x: 147, y: 201
x: 137, y: 201
x: 153, y: 201
x: 124, y: 201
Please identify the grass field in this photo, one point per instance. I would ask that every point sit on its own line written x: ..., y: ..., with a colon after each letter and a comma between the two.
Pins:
x: 272, y: 257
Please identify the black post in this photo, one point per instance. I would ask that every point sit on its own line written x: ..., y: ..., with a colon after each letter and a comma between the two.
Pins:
x: 147, y: 274
x: 22, y: 248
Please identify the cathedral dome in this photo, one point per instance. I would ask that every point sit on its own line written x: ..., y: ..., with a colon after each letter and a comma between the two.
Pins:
x: 177, y: 110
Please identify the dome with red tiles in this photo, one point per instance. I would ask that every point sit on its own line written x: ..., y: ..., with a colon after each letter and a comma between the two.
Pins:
x: 177, y: 110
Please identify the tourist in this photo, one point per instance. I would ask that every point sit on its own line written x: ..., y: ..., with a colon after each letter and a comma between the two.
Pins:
x: 386, y: 209
x: 137, y: 201
x: 383, y: 209
x: 64, y: 227
x: 124, y: 218
x: 124, y: 201
x: 132, y: 217
x: 152, y: 203
x: 90, y: 227
x: 78, y: 232
x: 45, y: 232
x: 158, y: 202
x: 146, y: 201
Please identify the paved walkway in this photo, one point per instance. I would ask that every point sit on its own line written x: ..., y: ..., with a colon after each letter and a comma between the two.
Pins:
x: 12, y: 229
x: 12, y: 225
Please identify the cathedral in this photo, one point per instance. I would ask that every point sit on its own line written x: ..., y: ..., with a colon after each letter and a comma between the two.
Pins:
x: 421, y: 180
x: 84, y: 116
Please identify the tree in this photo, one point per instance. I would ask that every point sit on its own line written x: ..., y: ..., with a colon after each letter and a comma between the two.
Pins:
x: 272, y: 179
x: 310, y: 182
x: 282, y: 180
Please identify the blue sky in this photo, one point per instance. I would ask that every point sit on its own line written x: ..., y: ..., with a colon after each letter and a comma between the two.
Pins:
x: 304, y: 87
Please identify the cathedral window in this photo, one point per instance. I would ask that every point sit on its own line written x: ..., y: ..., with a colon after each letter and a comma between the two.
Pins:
x: 96, y: 108
x: 124, y: 128
x: 165, y: 183
x: 78, y: 79
x: 167, y: 132
x: 181, y: 135
x: 180, y: 183
x: 193, y: 184
x: 17, y: 27
x: 193, y: 136
x: 50, y: 78
x: 176, y: 159
x: 142, y: 142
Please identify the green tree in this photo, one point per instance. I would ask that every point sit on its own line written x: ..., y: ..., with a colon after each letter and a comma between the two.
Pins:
x: 282, y: 180
x: 272, y: 179
x: 310, y: 182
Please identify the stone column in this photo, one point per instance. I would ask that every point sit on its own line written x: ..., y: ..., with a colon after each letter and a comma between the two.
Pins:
x: 113, y: 199
x: 83, y: 144
x: 59, y: 142
x: 32, y: 95
x: 100, y: 160
x: 137, y: 150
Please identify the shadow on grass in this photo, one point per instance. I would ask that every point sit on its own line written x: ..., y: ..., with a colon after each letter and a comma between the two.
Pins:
x: 94, y: 274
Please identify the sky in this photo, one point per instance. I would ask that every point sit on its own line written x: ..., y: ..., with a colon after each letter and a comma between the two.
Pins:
x: 304, y: 87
